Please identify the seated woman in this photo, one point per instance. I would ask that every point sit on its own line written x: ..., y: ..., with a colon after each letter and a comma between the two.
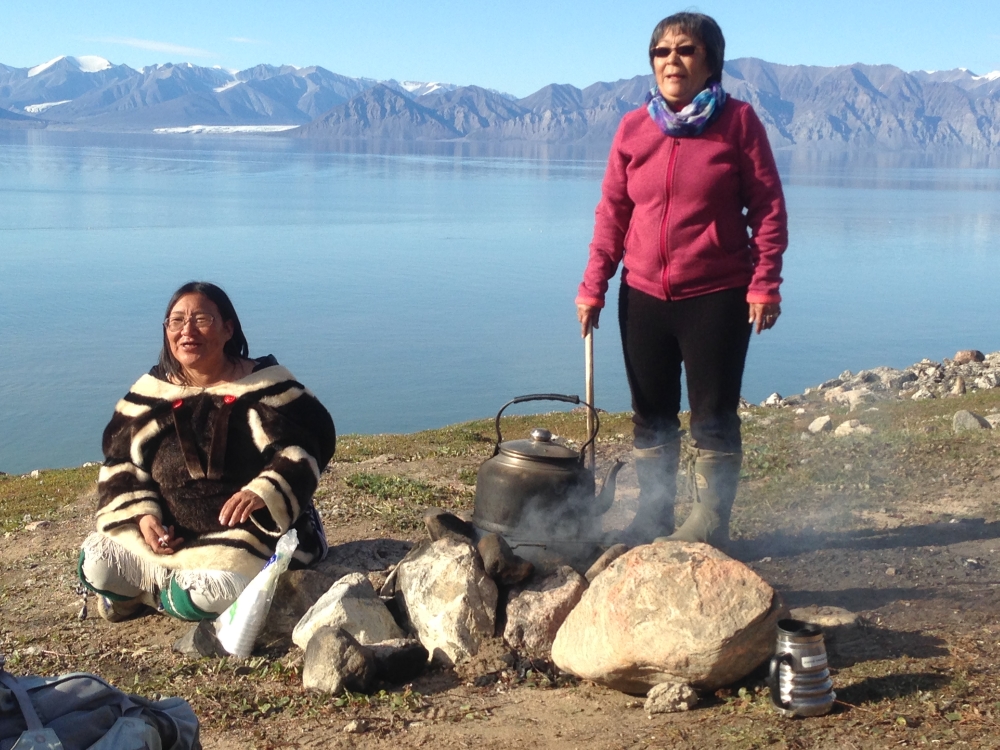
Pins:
x: 209, y: 459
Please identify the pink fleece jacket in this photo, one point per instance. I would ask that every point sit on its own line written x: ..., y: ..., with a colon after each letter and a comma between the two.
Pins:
x: 674, y: 207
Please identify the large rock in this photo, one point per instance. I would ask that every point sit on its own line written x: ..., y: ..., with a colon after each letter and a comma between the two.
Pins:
x: 852, y: 427
x: 536, y: 611
x: 967, y: 421
x: 351, y: 604
x: 821, y: 424
x: 448, y: 599
x: 335, y: 661
x: 670, y: 612
x: 965, y: 356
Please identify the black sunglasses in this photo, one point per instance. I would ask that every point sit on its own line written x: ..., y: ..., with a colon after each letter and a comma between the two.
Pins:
x: 684, y: 50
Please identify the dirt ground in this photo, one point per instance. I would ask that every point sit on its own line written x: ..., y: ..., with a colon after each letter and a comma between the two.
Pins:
x: 905, y: 534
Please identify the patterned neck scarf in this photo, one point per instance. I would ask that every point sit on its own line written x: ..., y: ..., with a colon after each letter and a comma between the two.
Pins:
x: 694, y: 118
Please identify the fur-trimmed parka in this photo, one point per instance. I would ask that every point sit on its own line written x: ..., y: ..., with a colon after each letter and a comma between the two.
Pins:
x: 179, y: 452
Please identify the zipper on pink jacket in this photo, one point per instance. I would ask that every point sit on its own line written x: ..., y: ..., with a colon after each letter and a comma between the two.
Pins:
x: 664, y: 246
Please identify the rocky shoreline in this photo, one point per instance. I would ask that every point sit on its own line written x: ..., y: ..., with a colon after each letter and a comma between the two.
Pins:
x: 968, y: 371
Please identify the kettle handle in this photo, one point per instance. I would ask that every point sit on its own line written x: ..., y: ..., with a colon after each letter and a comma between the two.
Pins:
x: 549, y: 397
x: 773, y: 679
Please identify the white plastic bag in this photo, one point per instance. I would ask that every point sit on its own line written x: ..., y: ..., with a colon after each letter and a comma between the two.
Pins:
x: 237, y: 628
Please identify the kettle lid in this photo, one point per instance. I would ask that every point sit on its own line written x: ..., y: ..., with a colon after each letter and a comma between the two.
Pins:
x: 539, y: 448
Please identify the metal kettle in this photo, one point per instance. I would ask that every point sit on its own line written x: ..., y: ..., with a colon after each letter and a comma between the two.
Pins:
x: 536, y: 487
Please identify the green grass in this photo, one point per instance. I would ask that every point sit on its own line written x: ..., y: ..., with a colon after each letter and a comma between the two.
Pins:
x: 25, y: 498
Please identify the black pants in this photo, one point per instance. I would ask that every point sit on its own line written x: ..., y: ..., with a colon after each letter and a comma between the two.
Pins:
x: 710, y: 335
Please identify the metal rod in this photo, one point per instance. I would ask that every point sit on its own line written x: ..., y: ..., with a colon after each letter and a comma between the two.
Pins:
x: 588, y: 364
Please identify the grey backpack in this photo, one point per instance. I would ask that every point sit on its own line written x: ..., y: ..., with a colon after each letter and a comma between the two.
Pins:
x: 80, y: 711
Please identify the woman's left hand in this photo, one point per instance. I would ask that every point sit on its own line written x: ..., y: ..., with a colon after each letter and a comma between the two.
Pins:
x: 764, y: 316
x: 239, y: 507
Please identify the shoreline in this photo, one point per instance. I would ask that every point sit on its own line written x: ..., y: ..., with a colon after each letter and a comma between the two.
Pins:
x: 968, y: 371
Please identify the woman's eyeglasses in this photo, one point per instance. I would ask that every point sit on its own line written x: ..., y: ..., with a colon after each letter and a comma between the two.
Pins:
x: 684, y: 50
x: 201, y: 321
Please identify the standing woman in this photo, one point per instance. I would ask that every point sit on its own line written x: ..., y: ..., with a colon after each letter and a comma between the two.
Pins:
x: 692, y: 202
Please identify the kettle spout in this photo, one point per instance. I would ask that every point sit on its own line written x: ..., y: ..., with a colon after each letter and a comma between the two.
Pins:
x: 606, y: 496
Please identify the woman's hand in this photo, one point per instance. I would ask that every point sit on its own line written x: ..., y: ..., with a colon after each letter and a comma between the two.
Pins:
x: 589, y: 317
x: 160, y: 539
x: 239, y: 507
x: 764, y: 316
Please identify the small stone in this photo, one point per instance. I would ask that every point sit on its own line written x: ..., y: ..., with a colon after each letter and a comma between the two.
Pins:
x: 800, y: 411
x: 36, y: 525
x: 35, y: 474
x: 440, y: 524
x: 500, y: 562
x: 199, y: 641
x: 669, y: 698
x: 773, y: 400
x: 821, y: 424
x: 965, y: 356
x: 335, y: 661
x: 966, y: 421
x: 890, y: 571
x: 993, y: 419
x: 601, y: 563
x: 922, y: 394
x: 356, y: 726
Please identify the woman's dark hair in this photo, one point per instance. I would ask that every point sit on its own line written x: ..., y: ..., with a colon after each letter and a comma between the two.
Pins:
x: 235, y: 349
x: 701, y: 27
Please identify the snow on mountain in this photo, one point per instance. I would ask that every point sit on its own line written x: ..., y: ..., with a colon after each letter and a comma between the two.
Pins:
x: 84, y: 63
x: 993, y: 76
x: 419, y: 88
x: 34, y: 109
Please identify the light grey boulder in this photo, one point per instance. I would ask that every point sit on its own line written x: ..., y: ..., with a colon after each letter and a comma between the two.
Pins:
x: 922, y: 394
x: 852, y: 427
x: 669, y: 698
x: 987, y: 381
x: 335, y: 661
x: 821, y: 424
x: 993, y: 419
x: 448, y: 599
x: 670, y: 612
x: 352, y: 604
x: 773, y: 400
x: 536, y: 611
x: 967, y: 421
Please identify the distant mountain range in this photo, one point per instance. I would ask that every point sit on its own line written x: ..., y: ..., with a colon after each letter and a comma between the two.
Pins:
x: 848, y: 106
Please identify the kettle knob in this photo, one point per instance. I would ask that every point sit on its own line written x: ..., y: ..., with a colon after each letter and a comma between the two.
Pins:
x: 541, y: 435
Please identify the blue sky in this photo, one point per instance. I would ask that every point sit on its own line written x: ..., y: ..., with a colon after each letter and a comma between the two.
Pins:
x: 515, y: 46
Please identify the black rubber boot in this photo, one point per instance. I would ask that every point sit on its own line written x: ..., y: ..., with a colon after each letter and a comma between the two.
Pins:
x: 716, y: 476
x: 656, y: 470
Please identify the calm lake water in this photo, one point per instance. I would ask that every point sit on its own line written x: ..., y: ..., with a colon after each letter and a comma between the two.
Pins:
x: 413, y: 287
